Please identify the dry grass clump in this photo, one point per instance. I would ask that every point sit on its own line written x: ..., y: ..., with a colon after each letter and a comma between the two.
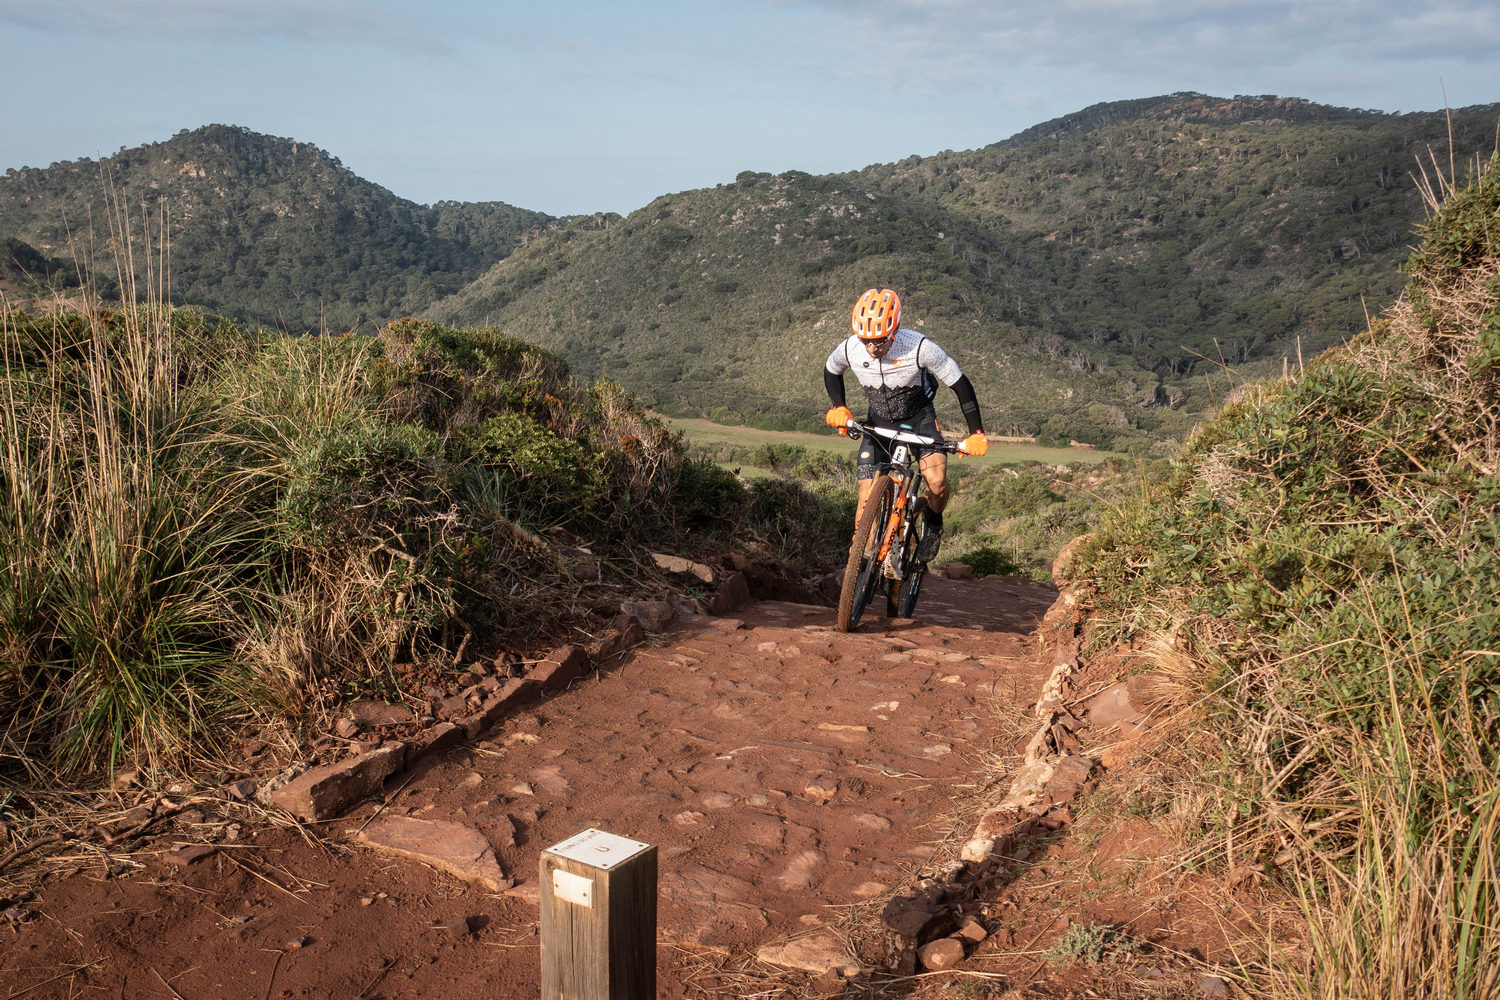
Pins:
x: 122, y: 547
x: 1323, y: 556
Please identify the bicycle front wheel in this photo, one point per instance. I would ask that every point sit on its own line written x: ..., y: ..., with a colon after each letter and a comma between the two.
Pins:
x: 902, y: 601
x: 862, y: 570
x: 911, y: 586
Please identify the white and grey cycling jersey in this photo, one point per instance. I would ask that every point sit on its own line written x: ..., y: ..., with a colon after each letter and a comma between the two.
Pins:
x: 895, y: 383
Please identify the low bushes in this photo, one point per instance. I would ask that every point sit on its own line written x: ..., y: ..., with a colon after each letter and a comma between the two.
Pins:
x: 202, y: 526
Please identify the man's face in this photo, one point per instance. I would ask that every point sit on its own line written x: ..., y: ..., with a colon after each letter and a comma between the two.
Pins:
x: 879, y: 348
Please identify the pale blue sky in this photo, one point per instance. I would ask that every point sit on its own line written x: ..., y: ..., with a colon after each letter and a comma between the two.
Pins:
x: 571, y: 106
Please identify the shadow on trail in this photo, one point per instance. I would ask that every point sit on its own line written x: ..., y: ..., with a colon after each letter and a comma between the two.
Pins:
x: 1001, y: 604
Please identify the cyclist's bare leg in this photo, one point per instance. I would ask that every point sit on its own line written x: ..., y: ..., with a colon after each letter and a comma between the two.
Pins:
x: 935, y: 471
x: 934, y: 468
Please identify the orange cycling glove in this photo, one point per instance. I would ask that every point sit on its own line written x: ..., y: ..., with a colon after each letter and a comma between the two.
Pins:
x: 837, y: 417
x: 975, y: 444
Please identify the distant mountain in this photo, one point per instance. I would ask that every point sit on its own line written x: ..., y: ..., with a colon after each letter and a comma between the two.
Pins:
x: 261, y: 227
x: 1099, y: 275
x: 1094, y: 274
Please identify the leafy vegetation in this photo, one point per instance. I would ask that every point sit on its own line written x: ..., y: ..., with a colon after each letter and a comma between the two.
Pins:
x: 28, y: 269
x: 261, y: 228
x: 1321, y: 558
x: 1093, y: 943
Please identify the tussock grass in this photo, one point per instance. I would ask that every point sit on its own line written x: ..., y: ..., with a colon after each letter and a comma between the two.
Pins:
x: 1321, y: 562
x: 121, y: 536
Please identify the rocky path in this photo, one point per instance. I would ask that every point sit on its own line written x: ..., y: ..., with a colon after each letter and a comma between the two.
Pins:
x: 787, y: 773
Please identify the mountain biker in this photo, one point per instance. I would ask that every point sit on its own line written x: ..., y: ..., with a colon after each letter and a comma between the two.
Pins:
x: 900, y: 370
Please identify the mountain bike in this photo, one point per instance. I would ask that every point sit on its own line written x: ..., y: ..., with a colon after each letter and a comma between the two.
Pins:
x: 889, y: 531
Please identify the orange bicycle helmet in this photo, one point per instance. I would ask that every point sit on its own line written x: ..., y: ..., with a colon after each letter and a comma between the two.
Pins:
x: 877, y: 314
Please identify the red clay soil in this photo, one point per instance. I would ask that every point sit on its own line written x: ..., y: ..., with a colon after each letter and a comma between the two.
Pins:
x: 789, y: 775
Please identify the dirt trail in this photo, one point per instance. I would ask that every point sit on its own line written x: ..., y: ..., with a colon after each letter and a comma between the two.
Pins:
x: 785, y: 771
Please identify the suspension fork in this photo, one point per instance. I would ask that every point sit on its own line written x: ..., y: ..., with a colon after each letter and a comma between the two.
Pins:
x: 898, y: 512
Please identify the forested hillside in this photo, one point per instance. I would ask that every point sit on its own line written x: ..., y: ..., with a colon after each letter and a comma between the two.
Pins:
x: 1103, y: 277
x: 264, y: 228
x: 1093, y: 272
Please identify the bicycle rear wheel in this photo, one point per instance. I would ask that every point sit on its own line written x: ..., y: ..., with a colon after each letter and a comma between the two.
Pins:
x: 862, y: 570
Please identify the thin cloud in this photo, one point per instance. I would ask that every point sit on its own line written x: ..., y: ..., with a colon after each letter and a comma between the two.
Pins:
x: 943, y: 42
x: 322, y: 22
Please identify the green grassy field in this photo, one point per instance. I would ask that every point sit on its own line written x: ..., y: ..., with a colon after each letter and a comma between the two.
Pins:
x: 704, y: 432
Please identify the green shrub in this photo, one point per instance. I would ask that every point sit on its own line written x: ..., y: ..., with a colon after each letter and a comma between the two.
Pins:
x: 709, y: 500
x: 1093, y: 944
x: 363, y: 486
x: 990, y: 561
x: 549, y: 479
x: 779, y: 458
x: 827, y: 465
x: 806, y: 526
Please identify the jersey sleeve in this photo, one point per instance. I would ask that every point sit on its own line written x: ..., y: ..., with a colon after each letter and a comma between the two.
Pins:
x: 838, y: 360
x: 936, y: 360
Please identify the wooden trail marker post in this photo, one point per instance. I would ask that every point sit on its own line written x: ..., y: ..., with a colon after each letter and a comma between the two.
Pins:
x: 598, y: 918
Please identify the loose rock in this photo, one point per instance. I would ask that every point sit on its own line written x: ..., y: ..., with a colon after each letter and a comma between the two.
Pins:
x: 816, y: 953
x: 972, y: 931
x: 944, y: 953
x: 241, y: 791
x: 184, y: 856
x: 1213, y: 986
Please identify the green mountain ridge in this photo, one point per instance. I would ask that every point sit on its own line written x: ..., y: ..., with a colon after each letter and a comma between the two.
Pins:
x: 1096, y: 275
x: 262, y: 228
x: 1202, y: 109
x: 1103, y: 277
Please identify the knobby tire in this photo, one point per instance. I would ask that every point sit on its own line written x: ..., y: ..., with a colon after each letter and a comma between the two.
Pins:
x: 902, y: 601
x: 862, y: 570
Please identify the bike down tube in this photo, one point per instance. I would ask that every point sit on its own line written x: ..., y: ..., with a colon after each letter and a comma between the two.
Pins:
x: 898, y: 510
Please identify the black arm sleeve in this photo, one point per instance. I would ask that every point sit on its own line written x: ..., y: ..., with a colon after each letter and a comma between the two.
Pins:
x: 835, y: 386
x: 966, y: 402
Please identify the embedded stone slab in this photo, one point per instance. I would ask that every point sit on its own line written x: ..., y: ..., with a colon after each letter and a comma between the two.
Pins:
x: 654, y: 616
x: 560, y: 668
x: 677, y: 564
x: 732, y: 594
x: 1112, y: 706
x: 330, y: 789
x: 451, y: 847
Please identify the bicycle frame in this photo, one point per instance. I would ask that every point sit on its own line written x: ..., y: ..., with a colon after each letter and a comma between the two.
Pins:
x: 903, y: 468
x: 885, y: 550
x: 899, y: 468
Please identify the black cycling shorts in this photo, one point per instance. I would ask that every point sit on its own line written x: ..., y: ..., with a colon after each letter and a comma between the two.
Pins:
x: 875, y: 451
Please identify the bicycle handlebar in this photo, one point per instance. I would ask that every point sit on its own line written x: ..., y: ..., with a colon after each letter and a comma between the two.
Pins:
x: 906, y: 437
